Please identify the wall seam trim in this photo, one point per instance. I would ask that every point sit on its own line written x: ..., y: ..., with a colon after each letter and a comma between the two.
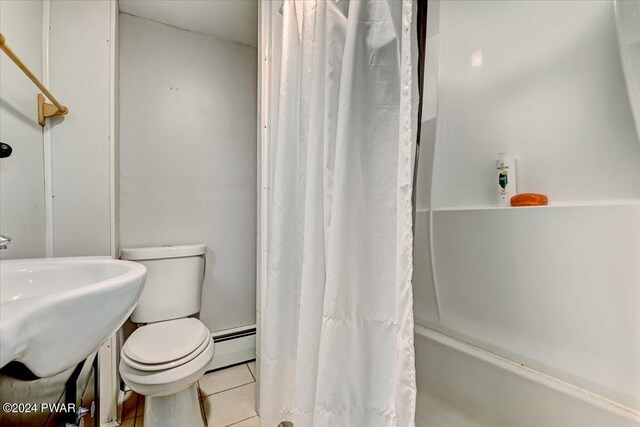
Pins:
x: 112, y: 130
x: 46, y: 135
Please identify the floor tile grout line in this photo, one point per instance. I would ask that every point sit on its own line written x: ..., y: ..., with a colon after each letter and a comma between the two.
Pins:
x: 232, y: 388
x: 135, y: 413
x: 251, y: 372
x: 246, y: 365
x: 203, y: 413
x: 241, y: 421
x: 237, y: 365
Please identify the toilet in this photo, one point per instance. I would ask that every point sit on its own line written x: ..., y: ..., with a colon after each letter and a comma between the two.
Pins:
x: 166, y: 356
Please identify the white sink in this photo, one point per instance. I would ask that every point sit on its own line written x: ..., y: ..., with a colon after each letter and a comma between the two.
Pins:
x: 55, y: 312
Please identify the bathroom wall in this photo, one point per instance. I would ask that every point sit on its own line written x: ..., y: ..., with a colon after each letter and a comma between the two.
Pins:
x: 188, y: 156
x: 555, y: 288
x: 81, y: 76
x: 57, y: 188
x: 22, y: 210
x: 55, y: 195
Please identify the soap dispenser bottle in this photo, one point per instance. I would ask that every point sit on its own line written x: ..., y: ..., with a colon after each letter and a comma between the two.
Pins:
x: 505, y: 178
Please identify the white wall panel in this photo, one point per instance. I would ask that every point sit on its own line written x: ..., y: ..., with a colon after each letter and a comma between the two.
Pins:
x: 22, y: 211
x: 557, y: 288
x: 188, y: 156
x: 79, y: 75
x: 79, y: 64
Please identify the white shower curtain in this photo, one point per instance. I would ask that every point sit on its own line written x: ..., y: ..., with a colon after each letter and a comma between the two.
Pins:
x: 337, y: 321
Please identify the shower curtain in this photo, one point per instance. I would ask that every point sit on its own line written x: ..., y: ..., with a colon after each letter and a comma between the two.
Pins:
x: 337, y: 323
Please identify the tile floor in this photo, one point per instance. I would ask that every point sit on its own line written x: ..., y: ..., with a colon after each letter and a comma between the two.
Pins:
x: 227, y: 398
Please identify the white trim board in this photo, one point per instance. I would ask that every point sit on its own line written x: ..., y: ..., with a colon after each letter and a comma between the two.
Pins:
x: 109, y: 390
x: 46, y: 136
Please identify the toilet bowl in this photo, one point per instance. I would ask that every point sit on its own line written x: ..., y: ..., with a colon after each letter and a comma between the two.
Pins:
x: 163, y: 361
x: 166, y: 356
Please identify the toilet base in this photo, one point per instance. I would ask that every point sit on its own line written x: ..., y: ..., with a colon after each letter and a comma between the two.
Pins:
x: 179, y: 409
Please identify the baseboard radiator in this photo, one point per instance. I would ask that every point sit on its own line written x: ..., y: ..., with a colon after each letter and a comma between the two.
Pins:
x: 234, y: 346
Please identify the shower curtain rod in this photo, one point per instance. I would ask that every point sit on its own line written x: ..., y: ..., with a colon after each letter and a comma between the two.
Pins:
x: 44, y: 109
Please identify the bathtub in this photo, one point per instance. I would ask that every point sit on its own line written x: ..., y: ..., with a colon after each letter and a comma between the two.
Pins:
x: 460, y: 385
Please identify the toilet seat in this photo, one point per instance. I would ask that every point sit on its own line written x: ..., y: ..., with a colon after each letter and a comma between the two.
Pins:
x: 167, y: 365
x: 165, y: 345
x: 168, y: 381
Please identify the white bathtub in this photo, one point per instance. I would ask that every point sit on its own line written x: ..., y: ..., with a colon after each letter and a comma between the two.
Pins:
x: 460, y: 385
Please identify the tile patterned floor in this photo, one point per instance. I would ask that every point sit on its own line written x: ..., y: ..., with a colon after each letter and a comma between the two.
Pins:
x: 227, y: 398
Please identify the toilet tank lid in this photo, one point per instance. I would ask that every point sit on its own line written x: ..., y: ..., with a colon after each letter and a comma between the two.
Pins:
x: 160, y: 252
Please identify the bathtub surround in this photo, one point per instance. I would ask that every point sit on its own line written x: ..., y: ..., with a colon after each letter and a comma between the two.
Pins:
x: 628, y: 25
x: 553, y: 288
x: 337, y: 323
x: 538, y: 95
x: 460, y: 385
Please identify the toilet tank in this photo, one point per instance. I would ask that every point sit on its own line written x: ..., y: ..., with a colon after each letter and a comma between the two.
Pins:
x: 173, y: 288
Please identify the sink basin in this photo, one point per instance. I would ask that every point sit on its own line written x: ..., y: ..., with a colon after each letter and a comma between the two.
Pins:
x: 55, y: 312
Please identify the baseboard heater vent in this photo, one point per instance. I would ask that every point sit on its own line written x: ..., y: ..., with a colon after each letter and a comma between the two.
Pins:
x: 234, y: 346
x: 227, y: 337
